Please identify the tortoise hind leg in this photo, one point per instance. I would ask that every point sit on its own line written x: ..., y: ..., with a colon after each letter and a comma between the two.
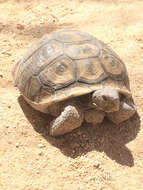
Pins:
x: 126, y: 110
x: 69, y: 119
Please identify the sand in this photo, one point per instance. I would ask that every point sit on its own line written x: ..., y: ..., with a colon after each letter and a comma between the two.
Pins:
x: 103, y: 157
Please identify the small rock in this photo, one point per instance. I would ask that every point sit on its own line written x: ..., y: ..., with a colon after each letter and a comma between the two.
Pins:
x: 83, y: 157
x: 3, y: 51
x: 1, y: 75
x: 17, y: 145
x: 40, y: 153
x: 37, y: 172
x: 20, y: 26
x: 97, y: 164
x: 6, y: 52
x: 5, y: 40
x: 139, y: 40
x: 13, y: 35
x: 41, y: 145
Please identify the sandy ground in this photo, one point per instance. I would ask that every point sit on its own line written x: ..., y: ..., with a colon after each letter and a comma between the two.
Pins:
x: 105, y: 157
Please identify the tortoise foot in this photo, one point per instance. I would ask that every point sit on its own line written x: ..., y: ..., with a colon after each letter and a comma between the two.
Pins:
x: 125, y: 112
x: 68, y: 120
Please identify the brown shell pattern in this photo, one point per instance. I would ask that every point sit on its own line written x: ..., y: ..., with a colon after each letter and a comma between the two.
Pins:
x: 66, y: 64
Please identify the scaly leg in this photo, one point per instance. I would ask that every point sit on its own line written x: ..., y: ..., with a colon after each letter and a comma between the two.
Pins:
x: 70, y: 118
x: 126, y: 110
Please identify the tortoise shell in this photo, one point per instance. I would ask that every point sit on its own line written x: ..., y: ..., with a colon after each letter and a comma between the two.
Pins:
x: 65, y: 64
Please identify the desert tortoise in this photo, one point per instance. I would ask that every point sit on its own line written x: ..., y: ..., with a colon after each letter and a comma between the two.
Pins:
x: 74, y: 77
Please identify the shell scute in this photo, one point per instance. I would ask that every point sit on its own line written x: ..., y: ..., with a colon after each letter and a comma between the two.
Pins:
x: 67, y: 64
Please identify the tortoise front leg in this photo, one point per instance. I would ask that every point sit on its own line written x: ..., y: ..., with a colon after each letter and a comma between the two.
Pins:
x: 126, y: 110
x: 70, y: 118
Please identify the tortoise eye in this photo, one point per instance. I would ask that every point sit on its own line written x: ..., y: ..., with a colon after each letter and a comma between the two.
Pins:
x: 61, y: 68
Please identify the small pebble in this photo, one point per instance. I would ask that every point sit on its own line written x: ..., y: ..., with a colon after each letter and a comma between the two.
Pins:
x: 41, y: 145
x: 17, y: 145
x: 139, y: 39
x: 97, y: 164
x: 1, y: 75
x: 37, y: 171
x: 20, y: 26
x: 6, y: 52
x: 40, y: 153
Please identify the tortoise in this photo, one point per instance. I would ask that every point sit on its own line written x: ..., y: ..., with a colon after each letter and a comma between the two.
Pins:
x: 73, y: 76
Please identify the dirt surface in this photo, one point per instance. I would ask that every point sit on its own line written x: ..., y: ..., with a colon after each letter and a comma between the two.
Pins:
x: 105, y: 157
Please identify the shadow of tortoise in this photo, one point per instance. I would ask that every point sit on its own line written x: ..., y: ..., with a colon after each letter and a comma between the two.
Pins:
x: 105, y: 137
